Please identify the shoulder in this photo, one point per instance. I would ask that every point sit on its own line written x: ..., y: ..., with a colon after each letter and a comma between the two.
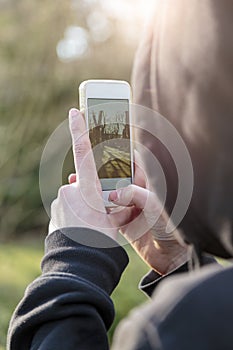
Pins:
x: 187, y: 312
x: 191, y: 291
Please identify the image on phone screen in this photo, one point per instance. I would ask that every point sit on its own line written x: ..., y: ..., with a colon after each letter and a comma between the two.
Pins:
x: 109, y: 132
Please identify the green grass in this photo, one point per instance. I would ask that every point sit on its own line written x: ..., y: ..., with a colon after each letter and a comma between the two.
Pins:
x: 20, y: 264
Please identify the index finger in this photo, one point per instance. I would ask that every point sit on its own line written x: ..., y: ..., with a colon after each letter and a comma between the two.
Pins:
x: 83, y: 157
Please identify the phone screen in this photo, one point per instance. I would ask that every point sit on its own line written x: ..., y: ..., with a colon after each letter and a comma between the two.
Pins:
x: 109, y: 132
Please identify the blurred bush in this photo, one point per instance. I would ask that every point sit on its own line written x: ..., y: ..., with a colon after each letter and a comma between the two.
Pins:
x: 47, y: 49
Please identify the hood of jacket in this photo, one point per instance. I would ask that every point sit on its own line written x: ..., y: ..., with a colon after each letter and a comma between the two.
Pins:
x: 184, y: 71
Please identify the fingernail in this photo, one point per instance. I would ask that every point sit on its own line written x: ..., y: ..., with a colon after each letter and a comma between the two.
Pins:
x: 113, y: 196
x: 73, y: 112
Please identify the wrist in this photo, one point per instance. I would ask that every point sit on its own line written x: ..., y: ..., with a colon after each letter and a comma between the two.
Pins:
x: 107, y: 229
x: 178, y: 260
x: 172, y: 256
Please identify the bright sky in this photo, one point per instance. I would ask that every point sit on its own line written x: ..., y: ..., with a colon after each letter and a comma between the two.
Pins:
x: 132, y: 14
x: 128, y: 9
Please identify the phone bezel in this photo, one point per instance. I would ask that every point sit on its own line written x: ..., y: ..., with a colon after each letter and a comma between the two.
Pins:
x: 113, y: 90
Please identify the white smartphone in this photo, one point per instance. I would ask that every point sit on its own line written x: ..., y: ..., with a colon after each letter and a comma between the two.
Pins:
x: 106, y: 104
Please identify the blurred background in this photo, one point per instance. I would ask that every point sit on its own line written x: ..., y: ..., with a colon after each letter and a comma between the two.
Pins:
x: 47, y: 49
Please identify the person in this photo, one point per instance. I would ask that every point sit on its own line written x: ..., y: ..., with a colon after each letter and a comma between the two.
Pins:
x: 183, y: 70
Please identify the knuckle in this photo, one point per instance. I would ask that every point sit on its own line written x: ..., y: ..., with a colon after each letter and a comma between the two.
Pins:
x: 153, y: 205
x: 130, y: 192
x: 62, y: 191
x: 81, y: 147
x: 54, y: 205
x: 126, y: 194
x: 132, y: 189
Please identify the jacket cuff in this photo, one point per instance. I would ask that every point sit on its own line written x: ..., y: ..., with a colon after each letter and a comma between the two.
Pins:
x: 101, y: 264
x: 150, y: 281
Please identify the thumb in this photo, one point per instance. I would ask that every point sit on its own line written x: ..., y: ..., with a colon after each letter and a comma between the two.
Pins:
x: 133, y: 195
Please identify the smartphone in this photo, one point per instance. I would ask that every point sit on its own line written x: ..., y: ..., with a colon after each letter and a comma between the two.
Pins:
x: 106, y: 105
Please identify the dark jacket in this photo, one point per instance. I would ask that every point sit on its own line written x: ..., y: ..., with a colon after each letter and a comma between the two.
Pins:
x: 192, y: 311
x: 69, y: 305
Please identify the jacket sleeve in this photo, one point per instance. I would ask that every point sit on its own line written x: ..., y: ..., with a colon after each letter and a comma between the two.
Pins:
x: 69, y: 305
x: 151, y: 280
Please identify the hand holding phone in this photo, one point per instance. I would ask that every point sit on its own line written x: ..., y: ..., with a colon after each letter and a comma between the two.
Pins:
x: 106, y: 105
x: 143, y: 222
x: 79, y: 204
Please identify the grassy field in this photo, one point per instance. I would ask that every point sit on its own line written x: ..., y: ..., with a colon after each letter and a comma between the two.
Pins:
x: 20, y: 264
